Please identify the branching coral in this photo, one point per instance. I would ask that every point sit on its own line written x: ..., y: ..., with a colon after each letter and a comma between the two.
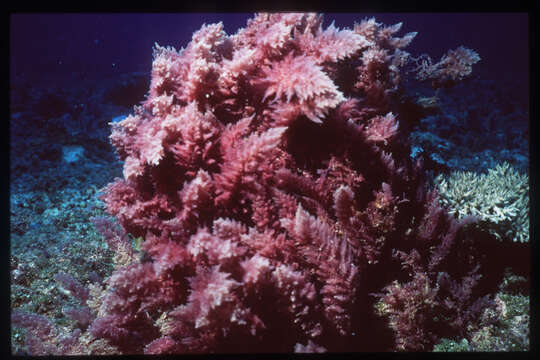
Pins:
x: 500, y: 199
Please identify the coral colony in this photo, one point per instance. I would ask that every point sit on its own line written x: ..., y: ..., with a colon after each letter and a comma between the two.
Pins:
x: 269, y: 189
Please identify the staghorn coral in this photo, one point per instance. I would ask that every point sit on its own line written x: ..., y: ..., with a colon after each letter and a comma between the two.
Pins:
x: 499, y: 199
x: 268, y: 177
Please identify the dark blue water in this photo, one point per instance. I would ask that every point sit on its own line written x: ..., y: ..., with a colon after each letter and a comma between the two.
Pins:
x: 98, y: 44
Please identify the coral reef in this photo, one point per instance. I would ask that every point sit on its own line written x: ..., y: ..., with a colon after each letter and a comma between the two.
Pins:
x: 499, y: 199
x: 269, y: 204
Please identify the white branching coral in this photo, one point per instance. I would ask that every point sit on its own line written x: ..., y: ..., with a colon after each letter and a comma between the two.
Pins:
x: 499, y: 199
